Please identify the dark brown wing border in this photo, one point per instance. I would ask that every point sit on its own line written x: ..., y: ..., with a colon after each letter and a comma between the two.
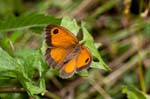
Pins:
x: 48, y: 34
x: 49, y: 59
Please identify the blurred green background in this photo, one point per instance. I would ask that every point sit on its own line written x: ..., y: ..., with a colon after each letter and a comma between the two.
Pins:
x: 121, y: 33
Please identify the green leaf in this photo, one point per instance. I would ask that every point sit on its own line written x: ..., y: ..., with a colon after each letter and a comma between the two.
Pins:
x: 30, y: 59
x: 15, y: 35
x: 133, y: 93
x: 32, y: 63
x: 83, y: 73
x: 70, y: 25
x: 43, y: 48
x: 33, y: 89
x: 23, y: 69
x: 26, y: 21
x: 89, y: 42
x: 7, y: 64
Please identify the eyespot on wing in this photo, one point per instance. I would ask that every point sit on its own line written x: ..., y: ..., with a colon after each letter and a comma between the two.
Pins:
x: 59, y: 36
x: 84, y: 59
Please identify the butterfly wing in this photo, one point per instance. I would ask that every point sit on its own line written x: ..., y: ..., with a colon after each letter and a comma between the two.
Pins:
x: 84, y: 59
x: 56, y: 56
x: 68, y: 68
x: 81, y: 60
x: 57, y: 36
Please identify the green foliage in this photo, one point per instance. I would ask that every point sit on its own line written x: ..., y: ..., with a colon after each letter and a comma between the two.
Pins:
x: 147, y: 80
x: 90, y: 43
x: 26, y: 21
x: 134, y: 93
x: 21, y: 69
x: 146, y: 30
x: 84, y: 73
x: 70, y: 25
x: 7, y: 7
x: 7, y: 65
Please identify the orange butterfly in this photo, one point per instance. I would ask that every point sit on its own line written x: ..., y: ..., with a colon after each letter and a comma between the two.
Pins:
x: 64, y: 51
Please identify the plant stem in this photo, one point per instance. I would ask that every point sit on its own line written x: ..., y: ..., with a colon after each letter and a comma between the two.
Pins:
x: 141, y: 75
x: 11, y: 90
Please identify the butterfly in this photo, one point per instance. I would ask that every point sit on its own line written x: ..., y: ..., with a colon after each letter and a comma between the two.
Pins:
x: 64, y: 52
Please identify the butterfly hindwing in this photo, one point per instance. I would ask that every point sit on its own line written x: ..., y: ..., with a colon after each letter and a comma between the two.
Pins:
x: 68, y: 68
x: 80, y: 61
x: 84, y: 59
x: 56, y: 56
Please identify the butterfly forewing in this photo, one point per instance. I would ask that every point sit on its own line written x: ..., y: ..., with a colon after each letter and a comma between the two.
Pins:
x: 59, y: 37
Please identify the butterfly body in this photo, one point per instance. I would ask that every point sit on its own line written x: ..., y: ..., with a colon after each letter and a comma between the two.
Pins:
x: 64, y: 51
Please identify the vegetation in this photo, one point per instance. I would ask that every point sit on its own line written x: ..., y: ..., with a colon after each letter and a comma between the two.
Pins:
x: 117, y: 32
